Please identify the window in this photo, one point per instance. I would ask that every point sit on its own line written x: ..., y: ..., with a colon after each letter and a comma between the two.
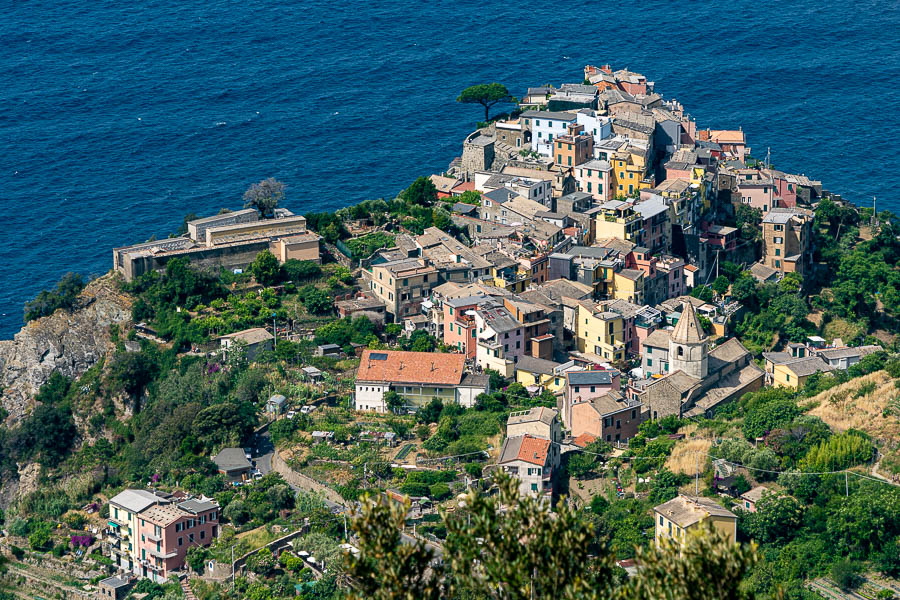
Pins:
x: 181, y: 541
x: 190, y: 538
x: 787, y: 377
x: 593, y: 388
x: 649, y: 362
x: 633, y: 413
x: 680, y: 351
x: 660, y: 521
x: 533, y: 487
x: 777, y: 251
x: 746, y: 504
x: 536, y: 122
x: 779, y: 240
x: 202, y: 534
x: 559, y: 160
x: 618, y: 424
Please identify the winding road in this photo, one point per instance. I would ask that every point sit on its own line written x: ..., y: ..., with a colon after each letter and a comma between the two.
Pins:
x: 262, y: 450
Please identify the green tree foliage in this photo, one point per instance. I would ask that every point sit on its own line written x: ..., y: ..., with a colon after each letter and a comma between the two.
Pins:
x: 49, y: 432
x: 131, y: 372
x: 343, y: 332
x: 469, y: 197
x: 264, y: 196
x: 838, y: 452
x: 846, y: 574
x: 747, y: 220
x: 327, y: 224
x: 159, y: 296
x: 394, y: 401
x: 528, y: 551
x: 39, y: 538
x: 301, y: 270
x: 485, y: 94
x: 583, y: 464
x: 318, y: 302
x: 721, y: 284
x: 665, y: 486
x: 420, y: 192
x: 777, y: 519
x: 64, y: 296
x: 767, y: 409
x: 867, y: 521
x: 703, y: 292
x: 265, y: 268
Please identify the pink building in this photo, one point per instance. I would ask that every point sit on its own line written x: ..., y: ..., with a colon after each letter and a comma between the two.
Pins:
x: 720, y: 235
x: 784, y: 189
x: 584, y: 386
x: 674, y: 266
x: 593, y: 177
x: 459, y: 326
x: 166, y: 531
x: 757, y: 189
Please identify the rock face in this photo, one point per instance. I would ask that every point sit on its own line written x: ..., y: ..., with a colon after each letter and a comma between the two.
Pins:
x: 66, y: 341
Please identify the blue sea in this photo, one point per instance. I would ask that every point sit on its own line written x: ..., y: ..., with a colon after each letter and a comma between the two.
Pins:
x: 119, y: 118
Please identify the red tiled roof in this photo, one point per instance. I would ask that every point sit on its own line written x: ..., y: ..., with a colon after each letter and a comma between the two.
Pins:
x: 435, y: 368
x: 534, y: 450
x: 584, y: 439
x: 466, y: 186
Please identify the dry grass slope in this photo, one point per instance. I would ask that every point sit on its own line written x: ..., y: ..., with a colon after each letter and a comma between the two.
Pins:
x: 841, y: 410
x: 685, y: 453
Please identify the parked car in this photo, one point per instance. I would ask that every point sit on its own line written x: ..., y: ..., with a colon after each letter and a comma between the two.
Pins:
x: 307, y: 409
x: 291, y: 414
x: 248, y: 452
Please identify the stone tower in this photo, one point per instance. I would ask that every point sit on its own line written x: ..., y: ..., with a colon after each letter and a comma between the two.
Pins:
x: 688, y: 346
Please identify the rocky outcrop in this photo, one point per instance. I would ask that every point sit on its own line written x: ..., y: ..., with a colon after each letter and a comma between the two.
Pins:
x: 68, y: 341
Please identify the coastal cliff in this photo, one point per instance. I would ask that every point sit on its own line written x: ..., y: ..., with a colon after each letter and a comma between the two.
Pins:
x: 68, y: 341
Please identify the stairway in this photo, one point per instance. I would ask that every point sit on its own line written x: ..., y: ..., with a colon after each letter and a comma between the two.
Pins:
x: 188, y: 594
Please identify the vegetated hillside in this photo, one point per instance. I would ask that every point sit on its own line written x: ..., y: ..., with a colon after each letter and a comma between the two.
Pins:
x: 868, y: 403
x: 67, y: 342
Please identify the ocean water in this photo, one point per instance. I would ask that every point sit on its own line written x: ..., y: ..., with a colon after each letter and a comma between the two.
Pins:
x: 119, y: 118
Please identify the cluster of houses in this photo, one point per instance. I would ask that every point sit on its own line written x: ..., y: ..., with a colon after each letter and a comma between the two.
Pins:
x: 599, y: 210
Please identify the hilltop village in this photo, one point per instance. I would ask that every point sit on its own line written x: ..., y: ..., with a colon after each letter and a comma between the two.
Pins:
x: 618, y: 310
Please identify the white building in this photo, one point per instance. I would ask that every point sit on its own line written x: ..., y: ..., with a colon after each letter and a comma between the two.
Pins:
x: 546, y: 125
x: 596, y: 125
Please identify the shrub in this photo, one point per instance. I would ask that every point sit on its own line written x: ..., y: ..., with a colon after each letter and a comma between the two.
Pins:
x: 439, y: 491
x: 845, y: 574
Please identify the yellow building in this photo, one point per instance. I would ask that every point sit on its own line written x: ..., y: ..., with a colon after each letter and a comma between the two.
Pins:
x: 600, y: 332
x: 402, y: 285
x: 678, y: 517
x: 618, y: 219
x: 784, y: 370
x: 628, y: 284
x: 540, y: 372
x: 630, y: 171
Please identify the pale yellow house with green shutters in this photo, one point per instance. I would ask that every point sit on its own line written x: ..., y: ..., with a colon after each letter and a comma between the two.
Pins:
x: 677, y: 518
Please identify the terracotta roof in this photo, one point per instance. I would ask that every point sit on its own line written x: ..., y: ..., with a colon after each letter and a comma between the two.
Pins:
x: 727, y: 136
x: 411, y: 367
x: 527, y: 448
x: 583, y: 440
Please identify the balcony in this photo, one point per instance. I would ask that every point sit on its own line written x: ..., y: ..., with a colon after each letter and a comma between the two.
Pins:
x: 153, y: 537
x: 163, y: 555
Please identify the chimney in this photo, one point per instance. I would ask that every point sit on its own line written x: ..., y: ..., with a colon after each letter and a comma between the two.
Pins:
x: 432, y: 365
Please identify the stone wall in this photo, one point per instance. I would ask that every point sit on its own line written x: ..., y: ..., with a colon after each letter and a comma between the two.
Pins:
x: 301, y: 481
